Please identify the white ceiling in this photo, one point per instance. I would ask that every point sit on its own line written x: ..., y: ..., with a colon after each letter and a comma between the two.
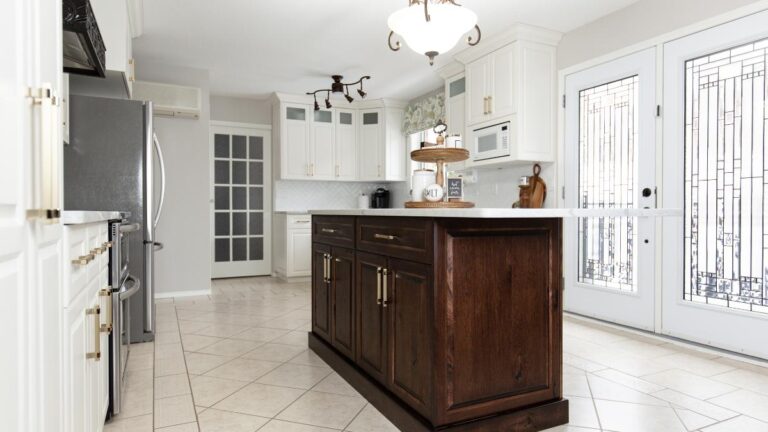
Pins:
x: 255, y: 47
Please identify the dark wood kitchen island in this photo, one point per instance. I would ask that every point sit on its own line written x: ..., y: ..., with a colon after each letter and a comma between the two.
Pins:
x: 445, y: 320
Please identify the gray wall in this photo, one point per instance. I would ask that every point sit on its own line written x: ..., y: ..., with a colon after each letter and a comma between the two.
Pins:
x: 184, y: 227
x: 241, y: 110
x: 640, y: 21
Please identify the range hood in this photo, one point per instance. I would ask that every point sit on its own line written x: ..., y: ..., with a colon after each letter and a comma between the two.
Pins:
x: 84, y: 50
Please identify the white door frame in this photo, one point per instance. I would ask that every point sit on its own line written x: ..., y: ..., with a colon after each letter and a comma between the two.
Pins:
x: 636, y: 308
x: 246, y: 129
x: 708, y: 324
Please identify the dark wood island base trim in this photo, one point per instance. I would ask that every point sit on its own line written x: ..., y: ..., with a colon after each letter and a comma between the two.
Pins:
x: 529, y: 419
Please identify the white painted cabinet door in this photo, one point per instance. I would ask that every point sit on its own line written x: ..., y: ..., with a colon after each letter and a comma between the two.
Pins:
x: 295, y: 157
x: 76, y: 382
x: 322, y: 163
x: 300, y: 252
x: 501, y: 82
x: 346, y: 145
x: 371, y: 145
x: 478, y: 90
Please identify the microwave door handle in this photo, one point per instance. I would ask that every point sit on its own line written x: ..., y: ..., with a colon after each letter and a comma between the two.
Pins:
x: 162, y: 179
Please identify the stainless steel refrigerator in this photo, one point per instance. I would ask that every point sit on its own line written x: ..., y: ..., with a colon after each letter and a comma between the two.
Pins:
x: 113, y: 162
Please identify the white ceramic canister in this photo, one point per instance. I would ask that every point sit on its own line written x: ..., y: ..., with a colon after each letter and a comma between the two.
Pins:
x: 363, y: 202
x: 421, y: 179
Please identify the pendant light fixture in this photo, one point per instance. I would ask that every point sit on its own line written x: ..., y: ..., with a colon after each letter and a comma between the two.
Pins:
x: 339, y: 87
x: 432, y: 27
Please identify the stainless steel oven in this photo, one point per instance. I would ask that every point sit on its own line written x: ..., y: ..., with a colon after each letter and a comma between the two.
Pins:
x: 124, y: 285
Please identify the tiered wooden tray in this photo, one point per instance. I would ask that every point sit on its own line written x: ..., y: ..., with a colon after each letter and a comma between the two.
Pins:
x: 440, y: 156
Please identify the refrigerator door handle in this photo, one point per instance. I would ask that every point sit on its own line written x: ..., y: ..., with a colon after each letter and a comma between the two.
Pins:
x: 162, y: 178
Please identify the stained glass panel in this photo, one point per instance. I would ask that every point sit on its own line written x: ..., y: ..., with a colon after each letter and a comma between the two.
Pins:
x: 608, y: 120
x: 725, y: 179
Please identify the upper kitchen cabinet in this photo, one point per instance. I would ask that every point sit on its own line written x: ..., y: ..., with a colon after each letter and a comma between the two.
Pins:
x: 510, y: 78
x: 361, y: 143
x: 119, y: 22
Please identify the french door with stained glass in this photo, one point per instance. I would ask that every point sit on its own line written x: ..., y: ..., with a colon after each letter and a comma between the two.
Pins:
x: 609, y: 152
x: 715, y: 168
x: 242, y: 202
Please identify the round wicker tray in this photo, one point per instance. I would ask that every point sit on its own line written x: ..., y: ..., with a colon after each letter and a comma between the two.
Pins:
x: 441, y: 204
x: 446, y: 155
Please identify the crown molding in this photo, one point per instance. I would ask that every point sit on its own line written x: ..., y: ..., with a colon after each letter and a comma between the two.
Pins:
x: 518, y: 32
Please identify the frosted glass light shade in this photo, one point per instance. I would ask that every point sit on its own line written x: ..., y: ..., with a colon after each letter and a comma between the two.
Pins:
x: 448, y: 23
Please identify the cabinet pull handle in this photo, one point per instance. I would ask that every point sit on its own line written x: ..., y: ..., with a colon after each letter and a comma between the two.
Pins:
x: 378, y: 170
x: 337, y: 171
x: 330, y: 268
x: 302, y: 222
x: 107, y: 292
x: 107, y: 245
x: 384, y: 236
x: 83, y: 260
x: 384, y: 274
x: 490, y: 104
x: 325, y: 268
x: 96, y: 354
x: 378, y: 285
x: 311, y: 170
x: 98, y: 250
x: 328, y: 230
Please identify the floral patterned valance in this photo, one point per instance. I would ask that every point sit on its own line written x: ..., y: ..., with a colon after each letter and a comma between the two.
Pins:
x: 424, y: 113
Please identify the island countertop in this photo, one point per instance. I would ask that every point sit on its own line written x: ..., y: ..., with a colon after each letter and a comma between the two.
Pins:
x: 503, y: 213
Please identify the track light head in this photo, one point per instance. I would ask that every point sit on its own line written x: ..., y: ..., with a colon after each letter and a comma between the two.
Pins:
x: 349, y: 98
x: 328, y: 104
x: 361, y: 93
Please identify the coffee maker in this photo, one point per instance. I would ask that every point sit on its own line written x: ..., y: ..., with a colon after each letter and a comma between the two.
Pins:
x: 380, y: 198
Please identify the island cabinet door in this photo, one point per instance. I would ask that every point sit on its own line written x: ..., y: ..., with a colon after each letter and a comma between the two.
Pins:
x: 343, y: 301
x: 408, y: 303
x: 371, y: 331
x: 321, y: 291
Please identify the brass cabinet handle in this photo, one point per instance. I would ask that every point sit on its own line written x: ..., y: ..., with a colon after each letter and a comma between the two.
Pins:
x: 378, y: 285
x: 96, y: 355
x: 84, y: 259
x: 325, y: 268
x: 384, y: 274
x: 384, y: 236
x: 328, y: 230
x: 107, y: 245
x: 490, y: 104
x: 337, y: 171
x: 107, y: 292
x: 98, y: 250
x: 485, y: 105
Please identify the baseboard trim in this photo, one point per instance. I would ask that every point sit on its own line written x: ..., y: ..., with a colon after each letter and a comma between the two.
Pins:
x: 173, y: 294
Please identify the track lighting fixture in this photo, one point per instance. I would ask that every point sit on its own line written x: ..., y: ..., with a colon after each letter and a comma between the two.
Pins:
x: 339, y: 87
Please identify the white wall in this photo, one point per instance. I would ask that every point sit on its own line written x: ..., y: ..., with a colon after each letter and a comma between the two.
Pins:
x: 640, y: 21
x: 184, y: 227
x: 241, y: 110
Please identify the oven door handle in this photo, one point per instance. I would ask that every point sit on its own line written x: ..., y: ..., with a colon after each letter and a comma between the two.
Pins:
x: 130, y: 287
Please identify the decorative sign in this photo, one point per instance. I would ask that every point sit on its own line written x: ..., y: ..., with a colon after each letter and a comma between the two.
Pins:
x: 455, y: 188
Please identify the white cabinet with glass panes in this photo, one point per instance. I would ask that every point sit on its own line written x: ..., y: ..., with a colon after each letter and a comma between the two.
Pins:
x: 360, y: 142
x: 346, y: 144
x: 455, y: 110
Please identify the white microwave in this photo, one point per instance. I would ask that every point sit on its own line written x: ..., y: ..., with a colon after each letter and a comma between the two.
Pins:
x: 491, y: 142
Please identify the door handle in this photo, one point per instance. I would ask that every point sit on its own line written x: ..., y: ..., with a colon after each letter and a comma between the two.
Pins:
x: 96, y: 354
x: 107, y: 292
x: 378, y: 285
x: 385, y: 299
x: 162, y: 179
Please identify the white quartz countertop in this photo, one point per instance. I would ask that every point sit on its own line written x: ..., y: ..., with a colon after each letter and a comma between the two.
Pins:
x: 76, y: 217
x: 504, y: 213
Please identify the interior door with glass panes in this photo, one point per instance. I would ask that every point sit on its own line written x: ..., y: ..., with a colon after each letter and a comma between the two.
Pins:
x: 610, y: 140
x: 242, y: 202
x: 716, y: 257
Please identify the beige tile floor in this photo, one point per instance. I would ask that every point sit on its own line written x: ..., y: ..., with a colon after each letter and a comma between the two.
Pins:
x: 237, y: 361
